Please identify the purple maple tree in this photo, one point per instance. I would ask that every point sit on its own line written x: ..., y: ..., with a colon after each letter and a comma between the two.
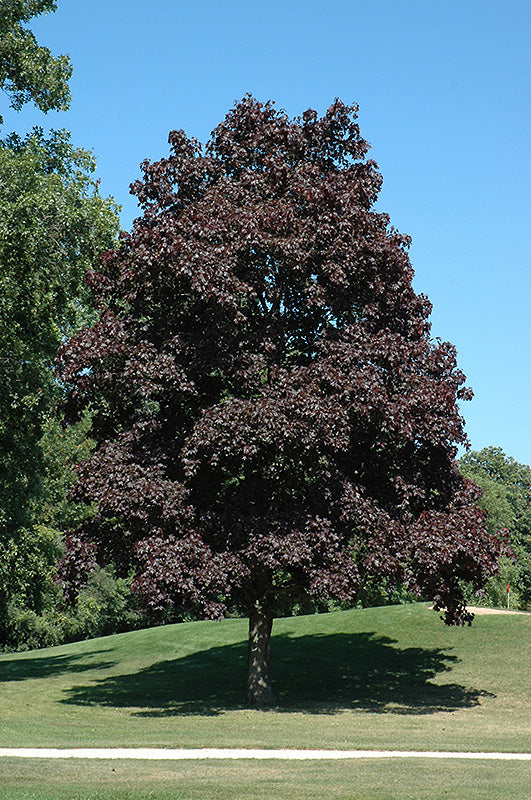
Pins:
x: 272, y: 417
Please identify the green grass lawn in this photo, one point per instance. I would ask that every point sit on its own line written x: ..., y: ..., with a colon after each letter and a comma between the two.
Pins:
x: 386, y: 678
x: 264, y: 780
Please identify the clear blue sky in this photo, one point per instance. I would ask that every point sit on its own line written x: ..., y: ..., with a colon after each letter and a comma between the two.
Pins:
x: 444, y: 93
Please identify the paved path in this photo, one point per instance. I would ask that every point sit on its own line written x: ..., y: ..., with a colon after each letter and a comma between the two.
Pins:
x: 299, y: 755
x: 480, y: 610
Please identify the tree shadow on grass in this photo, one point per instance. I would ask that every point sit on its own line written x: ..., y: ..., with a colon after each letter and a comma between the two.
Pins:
x: 315, y: 674
x: 19, y: 669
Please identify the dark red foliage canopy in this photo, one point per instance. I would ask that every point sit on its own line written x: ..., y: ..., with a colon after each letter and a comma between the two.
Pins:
x: 272, y: 417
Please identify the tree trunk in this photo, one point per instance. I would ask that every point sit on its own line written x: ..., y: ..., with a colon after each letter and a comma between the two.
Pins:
x: 259, y: 689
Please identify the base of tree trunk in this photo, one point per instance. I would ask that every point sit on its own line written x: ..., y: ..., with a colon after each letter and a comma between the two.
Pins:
x: 259, y: 687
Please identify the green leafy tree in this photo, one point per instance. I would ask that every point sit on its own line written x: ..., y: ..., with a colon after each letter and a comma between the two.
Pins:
x: 506, y: 486
x: 61, y: 450
x: 29, y: 72
x: 53, y: 223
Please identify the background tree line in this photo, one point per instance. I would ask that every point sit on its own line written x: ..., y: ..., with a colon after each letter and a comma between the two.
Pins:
x: 53, y: 226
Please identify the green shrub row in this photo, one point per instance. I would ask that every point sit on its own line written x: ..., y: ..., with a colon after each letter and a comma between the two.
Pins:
x: 105, y: 606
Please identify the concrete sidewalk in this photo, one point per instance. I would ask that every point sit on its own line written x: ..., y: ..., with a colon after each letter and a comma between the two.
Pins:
x: 178, y: 754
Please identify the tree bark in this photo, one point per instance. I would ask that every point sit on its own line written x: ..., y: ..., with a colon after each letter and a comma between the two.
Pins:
x: 259, y: 688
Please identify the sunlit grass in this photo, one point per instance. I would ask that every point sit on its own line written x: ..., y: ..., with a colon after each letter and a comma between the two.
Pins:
x: 379, y: 678
x: 384, y: 678
x: 271, y: 780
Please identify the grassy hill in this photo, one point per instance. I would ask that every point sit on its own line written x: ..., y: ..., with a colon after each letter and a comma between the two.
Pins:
x: 389, y: 678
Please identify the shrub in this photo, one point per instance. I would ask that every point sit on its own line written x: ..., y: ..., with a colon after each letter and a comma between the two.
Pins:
x: 105, y: 606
